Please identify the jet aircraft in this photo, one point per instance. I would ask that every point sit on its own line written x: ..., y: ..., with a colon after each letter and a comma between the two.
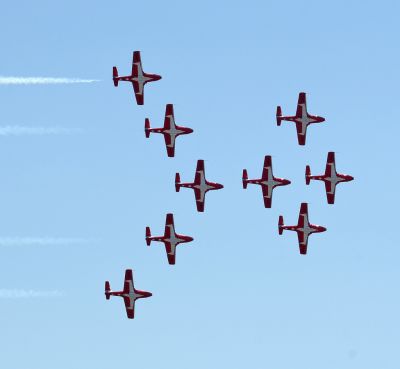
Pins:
x: 138, y: 78
x: 303, y: 228
x: 267, y: 181
x: 331, y: 178
x: 302, y: 118
x: 170, y: 130
x: 171, y: 239
x: 200, y: 185
x: 129, y: 293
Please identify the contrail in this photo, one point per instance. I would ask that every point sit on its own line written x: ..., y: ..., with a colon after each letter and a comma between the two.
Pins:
x: 43, y: 241
x: 37, y: 131
x: 23, y: 294
x: 42, y: 80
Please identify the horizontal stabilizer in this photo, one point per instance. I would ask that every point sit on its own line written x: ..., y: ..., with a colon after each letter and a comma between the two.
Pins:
x: 115, y: 76
x: 244, y: 178
x: 308, y: 174
x: 147, y: 127
x: 278, y: 115
x: 177, y: 182
x: 148, y: 235
x: 280, y: 224
x: 107, y: 290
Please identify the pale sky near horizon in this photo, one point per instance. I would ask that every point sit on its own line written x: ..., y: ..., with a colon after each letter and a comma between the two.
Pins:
x: 80, y: 182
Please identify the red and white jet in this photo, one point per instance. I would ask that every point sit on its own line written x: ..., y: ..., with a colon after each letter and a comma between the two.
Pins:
x: 302, y: 118
x: 267, y: 181
x: 171, y: 239
x: 200, y: 185
x: 303, y: 228
x: 170, y: 130
x: 129, y: 293
x: 138, y: 78
x: 331, y: 178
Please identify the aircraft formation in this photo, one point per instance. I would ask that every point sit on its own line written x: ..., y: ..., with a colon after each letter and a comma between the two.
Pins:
x: 201, y: 185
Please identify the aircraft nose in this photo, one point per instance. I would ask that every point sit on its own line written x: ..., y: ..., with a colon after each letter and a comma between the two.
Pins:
x: 189, y: 239
x: 148, y: 294
x: 350, y: 178
x: 287, y: 182
x: 219, y: 186
x: 321, y: 119
x: 157, y: 77
x: 322, y: 229
x: 189, y: 130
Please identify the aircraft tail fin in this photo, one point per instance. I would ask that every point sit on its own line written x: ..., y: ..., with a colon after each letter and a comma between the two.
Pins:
x: 148, y: 235
x: 115, y: 76
x: 147, y: 127
x: 177, y: 182
x: 308, y: 174
x: 244, y: 178
x: 278, y: 115
x: 280, y: 224
x: 107, y: 290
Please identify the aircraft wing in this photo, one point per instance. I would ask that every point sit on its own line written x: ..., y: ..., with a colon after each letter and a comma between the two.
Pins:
x: 200, y: 175
x: 169, y: 222
x: 200, y: 199
x: 267, y: 168
x: 303, y: 214
x: 330, y: 189
x: 169, y: 229
x: 128, y: 277
x: 138, y: 90
x: 169, y: 115
x: 200, y: 168
x: 301, y: 133
x: 267, y: 195
x: 136, y: 71
x: 330, y: 164
x: 303, y: 237
x: 170, y: 144
x: 303, y: 241
x: 128, y: 287
x: 136, y: 60
x: 301, y: 104
x: 170, y: 253
x: 198, y: 179
x: 330, y: 171
x: 169, y: 120
x: 128, y: 281
x: 129, y: 307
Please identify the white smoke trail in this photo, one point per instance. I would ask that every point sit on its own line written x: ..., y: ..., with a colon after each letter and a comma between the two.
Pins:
x: 23, y: 294
x: 37, y: 131
x: 42, y: 241
x: 42, y: 80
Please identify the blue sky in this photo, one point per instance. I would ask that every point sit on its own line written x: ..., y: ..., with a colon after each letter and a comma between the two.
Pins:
x: 240, y: 294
